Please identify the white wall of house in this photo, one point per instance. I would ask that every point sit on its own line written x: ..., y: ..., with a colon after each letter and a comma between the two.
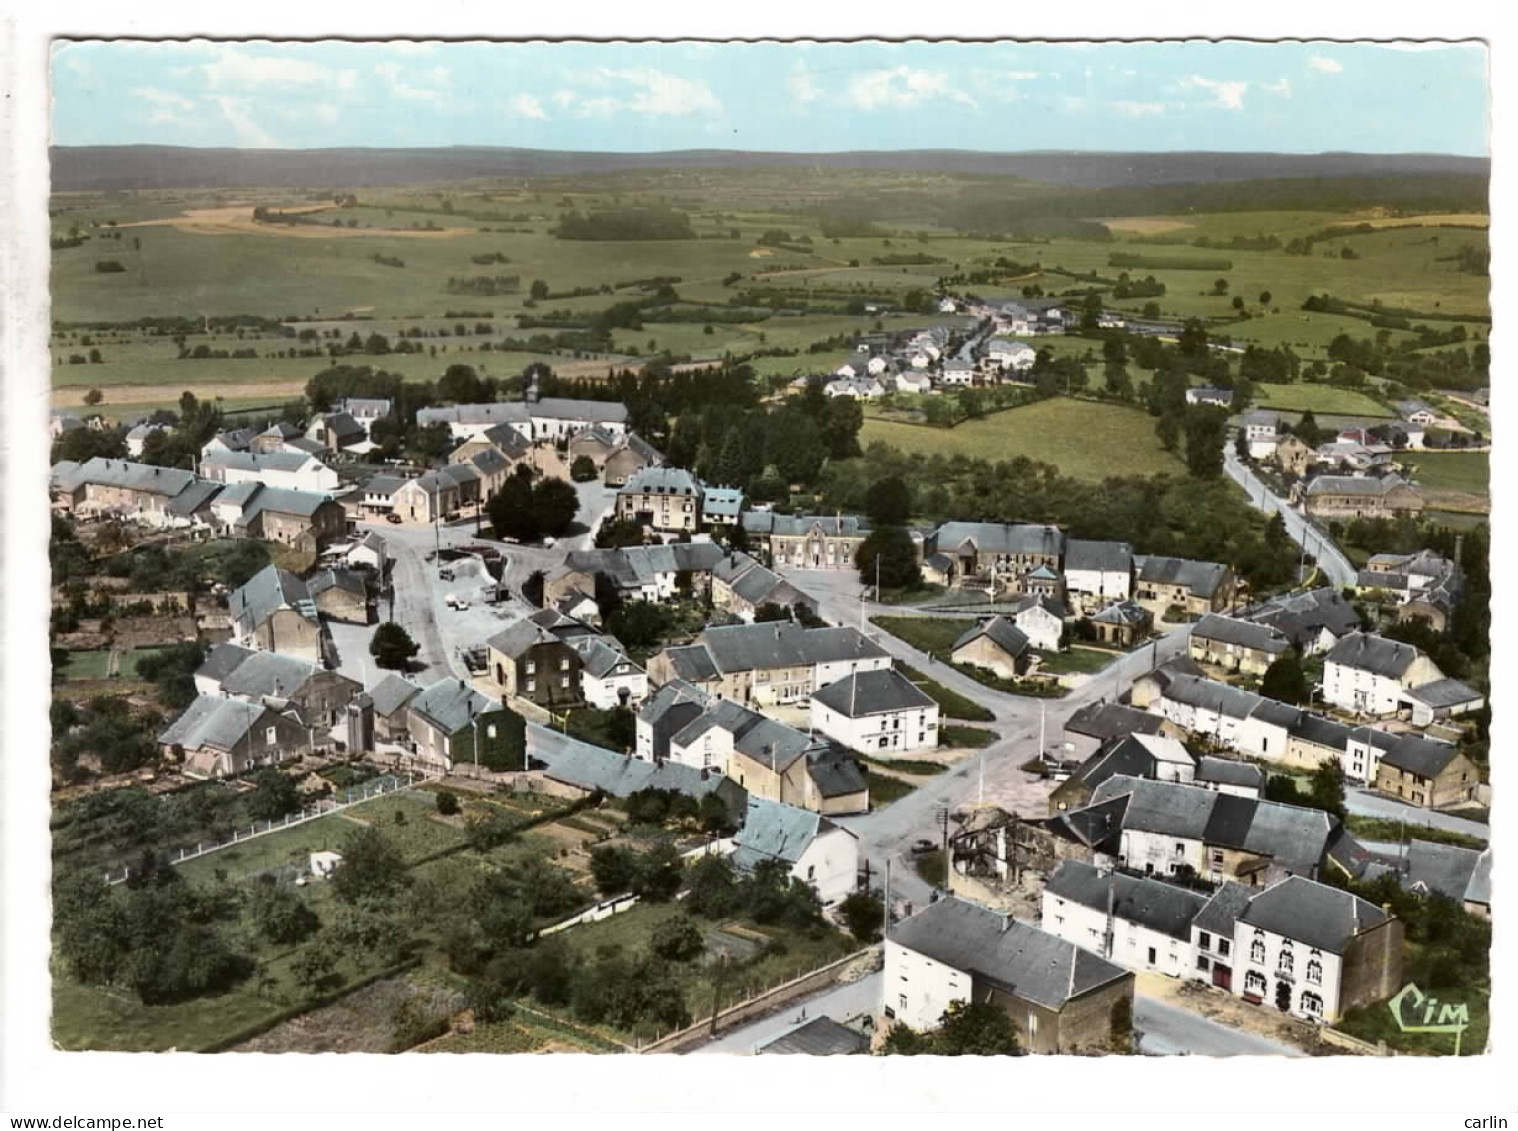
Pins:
x: 916, y: 989
x: 710, y: 751
x: 1354, y: 689
x: 605, y: 692
x: 889, y: 732
x: 830, y: 864
x: 824, y: 674
x: 1106, y: 584
x: 1134, y: 946
x: 1041, y: 627
x: 313, y: 475
x: 1257, y: 957
x: 1161, y: 853
x: 1261, y: 739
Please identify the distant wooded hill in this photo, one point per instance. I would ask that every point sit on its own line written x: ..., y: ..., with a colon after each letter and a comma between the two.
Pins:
x: 105, y: 168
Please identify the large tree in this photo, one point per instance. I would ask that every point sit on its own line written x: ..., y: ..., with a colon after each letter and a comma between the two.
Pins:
x: 1285, y: 681
x: 392, y: 647
x: 372, y: 867
x: 1206, y: 429
x: 889, y: 502
x: 888, y: 554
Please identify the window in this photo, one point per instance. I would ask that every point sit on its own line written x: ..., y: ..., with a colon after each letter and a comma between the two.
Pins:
x: 490, y: 730
x: 532, y: 685
x: 1254, y: 982
x: 532, y: 667
x: 1315, y: 971
x: 563, y: 681
x: 903, y: 1000
x: 884, y: 742
x: 1180, y: 849
x: 1223, y: 947
x: 1058, y: 919
x: 1312, y: 1004
x: 564, y: 665
x: 811, y: 872
x: 271, y: 736
x: 1201, y: 963
x: 1206, y: 941
x: 1285, y: 961
x: 1257, y: 951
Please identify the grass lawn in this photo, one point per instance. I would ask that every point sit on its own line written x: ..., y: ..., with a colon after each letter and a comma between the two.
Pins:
x: 1380, y: 828
x: 1085, y: 440
x: 1076, y: 660
x: 87, y: 665
x: 1319, y: 399
x: 919, y: 596
x: 883, y: 789
x: 930, y: 866
x: 935, y: 635
x: 976, y: 738
x: 1452, y: 471
x: 131, y: 658
x: 950, y: 703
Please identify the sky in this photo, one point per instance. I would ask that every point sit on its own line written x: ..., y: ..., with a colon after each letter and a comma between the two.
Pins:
x: 819, y: 97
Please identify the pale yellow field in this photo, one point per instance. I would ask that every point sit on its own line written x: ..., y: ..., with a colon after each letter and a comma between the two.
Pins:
x: 1145, y: 225
x: 238, y: 220
x: 1477, y: 219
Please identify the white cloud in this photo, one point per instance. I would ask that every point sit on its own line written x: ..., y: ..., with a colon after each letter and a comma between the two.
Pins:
x: 237, y: 113
x: 1325, y: 64
x: 1227, y: 94
x: 902, y: 86
x: 394, y: 77
x: 528, y: 106
x: 802, y: 85
x: 1021, y: 76
x: 639, y: 90
x: 166, y: 98
x: 235, y: 69
x: 1283, y: 87
x: 1130, y: 109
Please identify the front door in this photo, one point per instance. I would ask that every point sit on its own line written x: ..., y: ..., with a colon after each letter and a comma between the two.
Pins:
x: 1222, y: 976
x: 1283, y: 996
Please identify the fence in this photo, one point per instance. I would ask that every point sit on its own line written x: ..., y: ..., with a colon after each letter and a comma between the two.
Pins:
x: 604, y: 910
x: 368, y: 791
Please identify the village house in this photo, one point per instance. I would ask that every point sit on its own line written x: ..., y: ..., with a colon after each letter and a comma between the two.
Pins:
x: 663, y: 715
x: 428, y: 498
x: 1422, y: 772
x: 1262, y: 432
x: 637, y: 573
x: 369, y: 552
x: 1122, y: 624
x: 281, y: 436
x: 876, y: 712
x: 631, y: 457
x: 1224, y: 775
x: 1097, y: 573
x: 374, y: 498
x: 1424, y: 584
x: 997, y: 645
x: 593, y: 443
x: 154, y: 496
x: 1154, y: 756
x: 303, y: 520
x: 294, y: 471
x: 1060, y: 998
x: 1197, y: 588
x: 531, y: 661
x: 1209, y: 395
x: 274, y: 612
x: 864, y: 387
x: 1416, y: 412
x: 390, y: 697
x: 232, y: 440
x: 438, y: 715
x: 768, y: 663
x: 536, y: 419
x: 806, y: 541
x: 1361, y: 496
x: 579, y: 769
x: 821, y: 1036
x: 1293, y: 456
x: 339, y: 432
x: 721, y: 507
x: 661, y: 498
x: 608, y: 678
x: 138, y: 435
x: 502, y: 439
x: 1314, y: 620
x: 812, y: 848
x: 1236, y: 645
x: 997, y: 553
x: 1041, y: 619
x: 315, y: 696
x: 1097, y: 723
x: 1368, y: 674
x: 1138, y: 922
x: 1441, y: 700
x: 366, y: 410
x: 742, y: 586
x: 220, y: 737
x: 914, y: 380
x: 341, y: 595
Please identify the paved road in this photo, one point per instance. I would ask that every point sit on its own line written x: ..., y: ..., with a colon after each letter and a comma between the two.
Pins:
x: 839, y: 1002
x: 1318, y: 546
x: 1165, y: 1030
x: 887, y: 834
x: 1368, y: 804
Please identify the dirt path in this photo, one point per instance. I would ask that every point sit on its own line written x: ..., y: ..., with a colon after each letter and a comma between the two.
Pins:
x: 276, y: 389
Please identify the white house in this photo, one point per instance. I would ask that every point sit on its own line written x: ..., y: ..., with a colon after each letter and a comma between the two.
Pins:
x: 137, y: 436
x: 1370, y: 674
x: 295, y: 471
x: 608, y: 679
x: 817, y: 851
x: 860, y: 388
x: 1262, y: 432
x: 1041, y: 620
x: 915, y: 382
x: 1017, y: 356
x: 1150, y: 919
x: 1098, y: 573
x: 876, y: 711
x: 957, y: 373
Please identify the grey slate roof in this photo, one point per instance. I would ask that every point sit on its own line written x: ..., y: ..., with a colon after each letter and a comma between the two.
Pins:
x: 1122, y: 755
x: 821, y: 1036
x: 349, y: 581
x: 1146, y: 901
x: 1123, y: 612
x: 835, y: 773
x: 516, y: 640
x: 872, y: 693
x: 1210, y: 695
x: 267, y: 591
x: 451, y: 705
x: 193, y: 497
x: 1366, y: 652
x: 268, y: 673
x: 693, y: 663
x: 793, y: 525
x: 1110, y: 720
x: 143, y: 477
x: 778, y: 644
x: 1322, y: 731
x: 1443, y: 868
x: 256, y: 462
x: 279, y: 500
x: 1202, y: 578
x: 598, y: 657
x: 757, y: 736
x: 1109, y: 557
x: 1227, y: 772
x: 1021, y: 959
x: 519, y: 412
x: 591, y: 767
x: 223, y: 660
x: 383, y: 484
x: 722, y: 502
x: 672, y: 695
x: 1479, y: 890
x: 1000, y: 538
x: 662, y: 481
x: 1241, y: 633
x: 1000, y: 631
x: 1223, y: 909
x: 214, y: 721
x: 1312, y: 913
x: 1367, y: 485
x: 1301, y: 616
x: 773, y: 831
x: 392, y: 693
x: 1444, y: 693
x: 1418, y: 755
x: 342, y: 424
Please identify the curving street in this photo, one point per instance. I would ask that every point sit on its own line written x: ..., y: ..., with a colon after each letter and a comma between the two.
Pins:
x: 1317, y: 545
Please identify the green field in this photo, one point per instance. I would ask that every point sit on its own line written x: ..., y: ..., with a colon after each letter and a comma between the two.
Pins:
x: 951, y: 704
x: 1076, y: 661
x: 1469, y: 472
x: 1319, y: 400
x: 87, y: 665
x: 1085, y: 440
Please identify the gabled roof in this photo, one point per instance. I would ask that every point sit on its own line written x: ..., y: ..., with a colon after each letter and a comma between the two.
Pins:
x: 1442, y: 693
x: 779, y: 644
x: 1364, y: 651
x: 266, y: 592
x: 723, y: 502
x: 1210, y: 695
x: 516, y: 640
x: 772, y: 831
x: 193, y: 497
x: 213, y: 721
x: 1301, y: 616
x: 1124, y: 613
x: 451, y: 705
x: 591, y: 767
x: 693, y: 663
x: 383, y: 484
x: 1000, y: 631
x: 598, y: 657
x: 270, y: 674
x: 1122, y: 755
x: 796, y: 525
x: 392, y: 693
x: 1108, y: 557
x: 1202, y: 578
x: 223, y: 660
x: 821, y: 1036
x: 673, y: 694
x: 349, y: 581
x: 256, y: 462
x: 1102, y: 720
x: 662, y: 481
x: 1417, y: 755
x: 342, y: 424
x: 1444, y: 868
x: 835, y: 773
x: 1015, y: 957
x: 1312, y: 913
x: 1000, y: 538
x: 490, y: 461
x: 1224, y: 771
x: 142, y: 477
x: 1241, y: 633
x: 873, y: 693
x: 1367, y: 485
x: 1223, y: 909
x: 1149, y: 902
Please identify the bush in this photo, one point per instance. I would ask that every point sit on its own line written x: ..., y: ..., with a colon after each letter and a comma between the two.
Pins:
x: 447, y: 803
x: 583, y: 470
x: 678, y: 939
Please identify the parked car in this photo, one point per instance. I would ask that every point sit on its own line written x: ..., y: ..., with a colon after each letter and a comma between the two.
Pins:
x: 922, y: 847
x: 393, y: 517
